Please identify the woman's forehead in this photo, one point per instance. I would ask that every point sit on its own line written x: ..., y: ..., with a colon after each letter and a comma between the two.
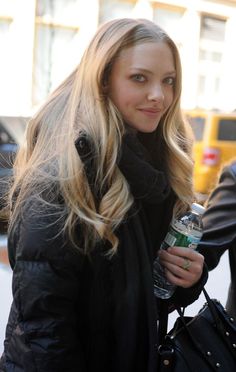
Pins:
x: 147, y: 54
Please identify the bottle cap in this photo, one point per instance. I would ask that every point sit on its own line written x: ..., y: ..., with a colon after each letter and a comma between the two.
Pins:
x: 198, y: 208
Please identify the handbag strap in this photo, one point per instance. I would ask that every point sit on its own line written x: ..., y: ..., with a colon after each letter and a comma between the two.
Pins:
x: 214, y: 313
x: 217, y: 323
x: 163, y: 321
x: 166, y: 353
x: 211, y: 363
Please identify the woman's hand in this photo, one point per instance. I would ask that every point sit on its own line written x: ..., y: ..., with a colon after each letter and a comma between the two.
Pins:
x: 183, y: 266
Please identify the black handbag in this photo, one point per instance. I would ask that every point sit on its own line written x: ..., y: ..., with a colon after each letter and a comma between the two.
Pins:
x: 205, y: 342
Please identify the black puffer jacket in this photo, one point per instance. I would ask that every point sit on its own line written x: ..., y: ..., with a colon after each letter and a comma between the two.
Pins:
x: 219, y: 223
x: 73, y: 314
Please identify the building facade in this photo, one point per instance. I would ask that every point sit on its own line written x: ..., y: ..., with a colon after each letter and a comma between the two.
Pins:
x: 42, y: 41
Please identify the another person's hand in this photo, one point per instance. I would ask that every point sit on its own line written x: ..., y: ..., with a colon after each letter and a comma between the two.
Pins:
x: 183, y: 266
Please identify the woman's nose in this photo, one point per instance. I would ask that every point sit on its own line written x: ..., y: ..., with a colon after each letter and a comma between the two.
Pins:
x: 156, y: 94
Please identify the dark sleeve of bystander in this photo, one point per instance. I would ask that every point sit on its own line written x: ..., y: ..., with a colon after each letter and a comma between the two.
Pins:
x: 219, y: 220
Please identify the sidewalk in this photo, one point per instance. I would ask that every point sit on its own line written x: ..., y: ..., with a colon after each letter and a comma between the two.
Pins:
x: 5, y: 288
x: 3, y: 250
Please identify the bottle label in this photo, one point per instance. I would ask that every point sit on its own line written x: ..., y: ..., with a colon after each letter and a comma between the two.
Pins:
x: 178, y: 238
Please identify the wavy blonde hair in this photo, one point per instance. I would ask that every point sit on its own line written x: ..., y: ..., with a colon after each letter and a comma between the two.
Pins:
x: 48, y: 162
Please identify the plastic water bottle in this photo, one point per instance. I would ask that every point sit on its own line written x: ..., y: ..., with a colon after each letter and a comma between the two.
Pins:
x: 184, y: 231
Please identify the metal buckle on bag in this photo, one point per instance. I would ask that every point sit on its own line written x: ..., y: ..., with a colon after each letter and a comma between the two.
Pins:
x: 166, y: 353
x: 165, y: 349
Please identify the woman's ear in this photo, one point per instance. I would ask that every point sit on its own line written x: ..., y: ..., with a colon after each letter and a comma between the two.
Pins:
x: 105, y: 86
x: 105, y: 79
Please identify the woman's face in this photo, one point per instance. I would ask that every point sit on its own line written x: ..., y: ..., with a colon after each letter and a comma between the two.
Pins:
x: 141, y: 84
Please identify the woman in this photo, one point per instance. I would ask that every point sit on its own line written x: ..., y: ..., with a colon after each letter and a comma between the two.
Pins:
x: 219, y: 226
x: 106, y: 161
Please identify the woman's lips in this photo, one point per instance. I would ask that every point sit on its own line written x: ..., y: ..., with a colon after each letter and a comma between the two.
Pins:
x: 150, y: 111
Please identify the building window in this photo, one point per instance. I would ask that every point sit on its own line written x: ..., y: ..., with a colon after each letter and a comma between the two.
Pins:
x: 208, y: 55
x: 115, y: 9
x: 170, y: 20
x: 56, y: 44
x: 211, y: 49
x: 52, y: 58
x: 212, y: 28
x: 201, y: 84
x: 5, y: 42
x: 58, y: 11
x: 4, y: 32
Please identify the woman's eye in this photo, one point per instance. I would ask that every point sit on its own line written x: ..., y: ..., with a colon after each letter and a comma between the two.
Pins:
x: 170, y: 80
x: 138, y: 77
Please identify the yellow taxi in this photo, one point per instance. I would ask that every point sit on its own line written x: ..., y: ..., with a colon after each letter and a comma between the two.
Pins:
x: 215, y: 144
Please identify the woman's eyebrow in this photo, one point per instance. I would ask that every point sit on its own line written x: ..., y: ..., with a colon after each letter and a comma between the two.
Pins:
x: 142, y: 69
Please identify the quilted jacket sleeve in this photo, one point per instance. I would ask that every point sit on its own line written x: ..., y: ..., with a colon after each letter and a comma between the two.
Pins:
x: 219, y: 219
x: 43, y: 333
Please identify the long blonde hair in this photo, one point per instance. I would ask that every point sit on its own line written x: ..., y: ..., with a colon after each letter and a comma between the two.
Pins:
x: 49, y: 161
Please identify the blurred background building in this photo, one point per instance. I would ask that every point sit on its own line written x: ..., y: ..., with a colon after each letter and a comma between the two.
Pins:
x: 41, y: 41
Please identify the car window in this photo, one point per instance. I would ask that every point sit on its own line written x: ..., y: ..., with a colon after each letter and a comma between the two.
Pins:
x: 197, y: 123
x: 13, y: 127
x: 5, y: 136
x: 227, y: 130
x: 8, y: 149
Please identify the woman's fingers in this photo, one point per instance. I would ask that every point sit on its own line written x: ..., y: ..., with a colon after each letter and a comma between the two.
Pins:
x: 183, y: 265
